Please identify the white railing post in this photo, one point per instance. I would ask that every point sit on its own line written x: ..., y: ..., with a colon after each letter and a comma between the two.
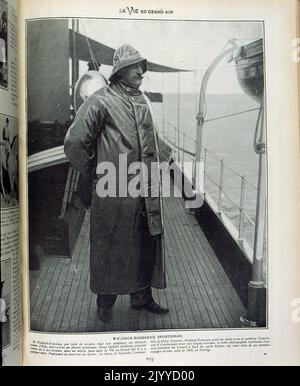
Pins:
x: 193, y: 171
x: 163, y: 101
x: 175, y: 142
x: 242, y: 204
x: 204, y: 171
x: 178, y: 109
x: 183, y: 151
x: 178, y: 144
x: 220, y: 201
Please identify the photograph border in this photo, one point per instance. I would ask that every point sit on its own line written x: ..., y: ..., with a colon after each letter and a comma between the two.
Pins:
x: 268, y: 262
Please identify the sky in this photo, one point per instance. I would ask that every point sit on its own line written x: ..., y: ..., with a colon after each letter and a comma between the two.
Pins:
x: 191, y: 45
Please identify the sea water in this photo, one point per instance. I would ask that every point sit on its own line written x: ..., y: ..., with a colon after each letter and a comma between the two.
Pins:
x: 230, y: 139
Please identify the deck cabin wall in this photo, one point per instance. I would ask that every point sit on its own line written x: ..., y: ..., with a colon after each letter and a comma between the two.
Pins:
x: 48, y: 71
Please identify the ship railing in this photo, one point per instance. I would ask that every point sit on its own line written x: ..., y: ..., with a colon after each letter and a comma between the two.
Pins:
x: 222, y: 194
x: 182, y: 153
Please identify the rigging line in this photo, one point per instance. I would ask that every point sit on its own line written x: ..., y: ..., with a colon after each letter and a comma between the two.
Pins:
x: 93, y: 57
x: 179, y: 147
x: 89, y: 45
x: 231, y: 115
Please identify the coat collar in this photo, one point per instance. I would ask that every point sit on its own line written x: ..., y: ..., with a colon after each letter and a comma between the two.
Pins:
x: 125, y: 88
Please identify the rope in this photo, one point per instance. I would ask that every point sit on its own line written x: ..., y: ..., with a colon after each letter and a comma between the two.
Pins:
x: 169, y: 124
x: 179, y: 147
x: 221, y: 117
x: 231, y: 115
x: 93, y: 57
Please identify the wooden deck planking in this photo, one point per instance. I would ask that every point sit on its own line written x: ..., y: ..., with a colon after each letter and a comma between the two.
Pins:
x: 75, y: 286
x: 61, y: 306
x: 232, y: 298
x: 124, y: 314
x: 199, y: 294
x: 78, y: 303
x: 87, y: 298
x: 229, y: 297
x: 212, y: 283
x: 219, y: 285
x: 56, y: 296
x: 91, y: 321
x: 41, y: 296
x: 186, y: 291
x: 184, y: 295
x: 162, y: 298
x: 59, y: 286
x: 175, y: 281
x: 175, y: 293
x: 49, y: 295
x: 197, y: 266
x: 177, y: 214
x: 173, y: 319
x: 34, y: 277
x: 38, y: 283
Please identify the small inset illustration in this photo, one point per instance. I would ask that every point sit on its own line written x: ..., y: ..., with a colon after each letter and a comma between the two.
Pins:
x: 3, y: 44
x: 9, y: 162
x: 5, y: 303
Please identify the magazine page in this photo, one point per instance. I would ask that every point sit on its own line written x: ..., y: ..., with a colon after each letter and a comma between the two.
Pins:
x: 160, y: 183
x: 10, y: 264
x: 297, y: 51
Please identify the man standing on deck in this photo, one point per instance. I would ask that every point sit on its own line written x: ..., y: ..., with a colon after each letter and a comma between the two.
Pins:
x: 126, y: 236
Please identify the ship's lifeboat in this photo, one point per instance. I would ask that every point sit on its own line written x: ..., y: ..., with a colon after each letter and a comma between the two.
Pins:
x: 250, y: 69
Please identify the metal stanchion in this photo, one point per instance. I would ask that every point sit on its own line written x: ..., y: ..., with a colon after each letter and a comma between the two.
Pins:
x: 220, y: 201
x: 242, y: 204
x: 178, y: 123
x: 256, y: 311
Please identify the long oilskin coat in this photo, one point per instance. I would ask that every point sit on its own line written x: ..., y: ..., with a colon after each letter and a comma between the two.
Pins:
x: 112, y: 122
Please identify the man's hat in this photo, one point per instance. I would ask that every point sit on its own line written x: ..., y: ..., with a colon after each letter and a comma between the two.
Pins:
x: 125, y: 56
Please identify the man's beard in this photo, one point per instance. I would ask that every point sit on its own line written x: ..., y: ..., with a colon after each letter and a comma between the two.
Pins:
x: 132, y: 85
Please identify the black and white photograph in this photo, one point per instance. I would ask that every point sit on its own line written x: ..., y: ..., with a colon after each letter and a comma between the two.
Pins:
x: 146, y: 168
x: 9, y: 162
x: 3, y: 44
x: 5, y: 300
